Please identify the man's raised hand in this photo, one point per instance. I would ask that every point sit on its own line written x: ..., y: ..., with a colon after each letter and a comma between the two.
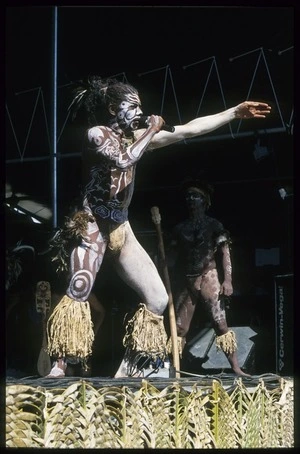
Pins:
x: 252, y: 109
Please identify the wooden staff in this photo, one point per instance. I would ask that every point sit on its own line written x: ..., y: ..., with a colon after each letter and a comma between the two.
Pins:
x: 156, y: 218
x: 43, y: 303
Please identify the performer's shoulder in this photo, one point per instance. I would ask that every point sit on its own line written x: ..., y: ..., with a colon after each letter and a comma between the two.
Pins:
x: 96, y: 132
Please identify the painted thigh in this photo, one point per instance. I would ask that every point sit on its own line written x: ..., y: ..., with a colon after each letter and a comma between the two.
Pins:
x: 210, y: 288
x: 185, y: 309
x: 136, y: 268
x: 86, y: 260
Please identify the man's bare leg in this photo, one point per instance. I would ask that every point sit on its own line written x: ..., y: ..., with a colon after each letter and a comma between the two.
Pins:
x: 233, y: 361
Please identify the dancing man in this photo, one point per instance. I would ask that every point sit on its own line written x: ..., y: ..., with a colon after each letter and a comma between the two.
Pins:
x: 113, y: 144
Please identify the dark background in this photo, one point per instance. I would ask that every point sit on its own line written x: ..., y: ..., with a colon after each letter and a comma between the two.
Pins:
x: 185, y: 61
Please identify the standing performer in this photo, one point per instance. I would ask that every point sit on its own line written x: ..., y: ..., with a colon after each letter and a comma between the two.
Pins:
x: 204, y: 265
x: 110, y: 155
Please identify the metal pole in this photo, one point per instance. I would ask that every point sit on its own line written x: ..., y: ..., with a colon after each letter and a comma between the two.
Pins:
x: 54, y: 131
x: 254, y: 133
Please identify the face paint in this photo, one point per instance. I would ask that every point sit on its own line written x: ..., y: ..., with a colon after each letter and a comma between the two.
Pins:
x: 195, y: 198
x: 191, y: 195
x: 194, y: 194
x: 128, y: 112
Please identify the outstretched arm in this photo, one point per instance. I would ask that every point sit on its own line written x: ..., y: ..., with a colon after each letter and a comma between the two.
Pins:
x: 204, y: 125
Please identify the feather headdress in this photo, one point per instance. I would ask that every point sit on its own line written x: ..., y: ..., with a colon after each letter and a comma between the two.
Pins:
x: 87, y: 95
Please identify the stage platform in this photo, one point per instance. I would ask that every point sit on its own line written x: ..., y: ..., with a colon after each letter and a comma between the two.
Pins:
x: 159, y: 379
x: 154, y: 411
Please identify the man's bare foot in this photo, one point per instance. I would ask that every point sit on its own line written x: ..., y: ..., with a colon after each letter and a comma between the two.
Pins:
x: 123, y: 371
x: 240, y: 373
x: 58, y: 370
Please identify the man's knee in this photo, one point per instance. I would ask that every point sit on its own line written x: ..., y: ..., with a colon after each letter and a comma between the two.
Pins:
x: 81, y: 285
x: 220, y: 326
x: 181, y: 330
x: 159, y: 303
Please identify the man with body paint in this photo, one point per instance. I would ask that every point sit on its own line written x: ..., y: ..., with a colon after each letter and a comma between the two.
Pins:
x: 113, y: 144
x: 203, y: 269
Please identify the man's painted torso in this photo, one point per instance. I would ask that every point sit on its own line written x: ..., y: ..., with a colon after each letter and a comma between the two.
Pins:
x: 197, y: 244
x: 108, y: 174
